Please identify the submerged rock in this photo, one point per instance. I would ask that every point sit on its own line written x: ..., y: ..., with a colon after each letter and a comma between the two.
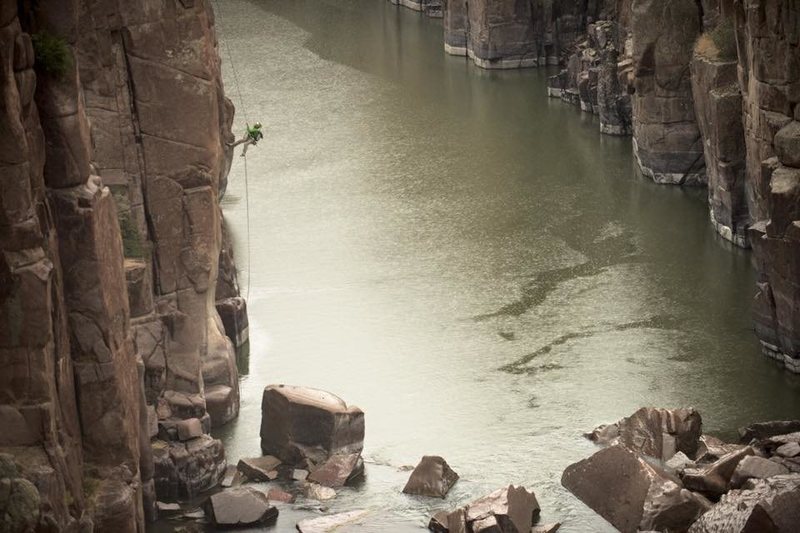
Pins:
x: 762, y: 506
x: 507, y: 510
x: 432, y: 477
x: 655, y: 432
x: 631, y: 493
x: 239, y: 507
x: 278, y: 495
x: 327, y: 524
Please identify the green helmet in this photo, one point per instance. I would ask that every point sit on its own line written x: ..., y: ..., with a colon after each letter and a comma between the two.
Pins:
x: 257, y: 125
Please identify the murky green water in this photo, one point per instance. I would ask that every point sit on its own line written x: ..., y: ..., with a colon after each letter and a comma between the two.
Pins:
x: 467, y: 260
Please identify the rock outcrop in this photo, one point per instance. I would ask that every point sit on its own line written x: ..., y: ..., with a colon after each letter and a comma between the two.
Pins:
x: 110, y: 233
x: 632, y: 494
x: 507, y: 510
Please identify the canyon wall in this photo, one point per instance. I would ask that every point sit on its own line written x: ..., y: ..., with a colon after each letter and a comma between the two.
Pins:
x: 116, y: 363
x: 707, y: 89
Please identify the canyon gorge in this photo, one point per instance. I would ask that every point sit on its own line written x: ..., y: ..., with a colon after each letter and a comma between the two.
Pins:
x: 121, y: 317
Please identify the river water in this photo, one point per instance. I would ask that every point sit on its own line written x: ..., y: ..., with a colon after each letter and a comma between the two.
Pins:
x: 468, y: 261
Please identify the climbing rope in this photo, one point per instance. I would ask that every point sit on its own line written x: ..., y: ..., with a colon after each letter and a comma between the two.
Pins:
x: 242, y: 107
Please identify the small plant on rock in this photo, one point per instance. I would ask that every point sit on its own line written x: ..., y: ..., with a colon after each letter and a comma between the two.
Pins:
x: 53, y: 54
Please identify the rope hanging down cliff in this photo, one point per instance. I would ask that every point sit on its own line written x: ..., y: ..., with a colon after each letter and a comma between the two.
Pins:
x: 241, y: 107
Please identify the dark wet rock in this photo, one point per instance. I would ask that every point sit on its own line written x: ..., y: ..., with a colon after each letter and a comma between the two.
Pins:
x: 338, y: 470
x: 714, y: 479
x: 765, y: 430
x: 655, y: 432
x: 278, y: 495
x: 771, y: 445
x: 631, y: 493
x: 754, y: 467
x: 301, y: 423
x: 432, y: 477
x: 761, y: 506
x: 259, y: 468
x: 449, y: 521
x: 328, y: 524
x: 239, y: 507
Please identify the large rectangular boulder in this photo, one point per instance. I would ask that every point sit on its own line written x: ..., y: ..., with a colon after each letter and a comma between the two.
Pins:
x: 300, y: 424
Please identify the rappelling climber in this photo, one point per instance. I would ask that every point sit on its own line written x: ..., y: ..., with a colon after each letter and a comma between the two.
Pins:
x: 251, y: 136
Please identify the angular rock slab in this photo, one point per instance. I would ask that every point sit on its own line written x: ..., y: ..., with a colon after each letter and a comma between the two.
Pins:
x: 765, y: 430
x: 655, y: 432
x: 763, y: 506
x: 259, y: 468
x: 432, y: 477
x: 511, y: 509
x: 300, y: 423
x: 240, y: 507
x: 338, y: 470
x: 328, y: 524
x: 632, y: 494
x: 714, y: 479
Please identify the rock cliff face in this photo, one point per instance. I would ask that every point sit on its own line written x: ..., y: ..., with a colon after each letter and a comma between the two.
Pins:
x: 709, y: 91
x: 112, y: 149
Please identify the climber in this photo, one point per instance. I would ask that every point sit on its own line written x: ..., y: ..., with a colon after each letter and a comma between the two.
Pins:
x: 251, y: 136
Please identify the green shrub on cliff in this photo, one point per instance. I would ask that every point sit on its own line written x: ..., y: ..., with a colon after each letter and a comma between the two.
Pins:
x: 725, y: 40
x: 52, y: 53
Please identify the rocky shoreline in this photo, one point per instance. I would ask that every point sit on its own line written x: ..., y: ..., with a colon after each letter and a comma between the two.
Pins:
x: 654, y: 471
x: 708, y: 93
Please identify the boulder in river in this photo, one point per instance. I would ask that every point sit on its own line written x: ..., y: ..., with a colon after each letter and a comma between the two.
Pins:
x: 432, y: 477
x: 714, y: 479
x: 337, y: 470
x: 259, y: 469
x: 711, y: 449
x: 762, y: 506
x: 507, y: 510
x: 631, y: 493
x: 240, y: 507
x: 300, y: 424
x: 654, y: 432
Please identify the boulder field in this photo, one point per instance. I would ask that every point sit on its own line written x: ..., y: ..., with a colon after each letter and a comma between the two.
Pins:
x: 658, y: 472
x: 709, y: 92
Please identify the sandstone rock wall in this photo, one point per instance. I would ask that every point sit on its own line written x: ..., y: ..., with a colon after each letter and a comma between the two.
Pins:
x: 768, y: 37
x: 111, y: 162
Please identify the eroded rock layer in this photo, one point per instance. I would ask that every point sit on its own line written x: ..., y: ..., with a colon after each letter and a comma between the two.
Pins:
x: 113, y: 126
